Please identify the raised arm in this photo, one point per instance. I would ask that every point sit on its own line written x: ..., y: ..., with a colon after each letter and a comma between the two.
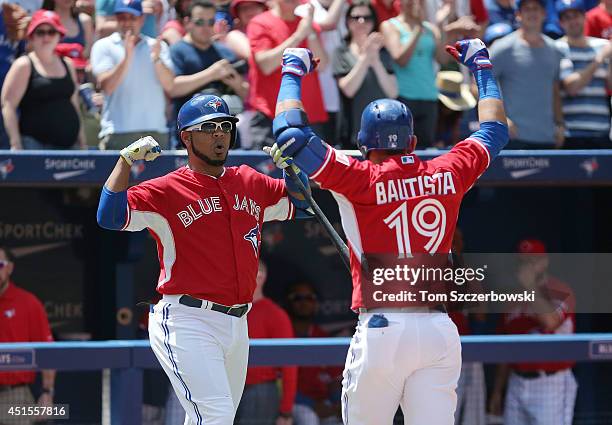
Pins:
x: 112, y: 208
x: 493, y: 131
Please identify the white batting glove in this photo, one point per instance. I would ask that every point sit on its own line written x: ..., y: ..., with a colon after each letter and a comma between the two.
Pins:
x: 280, y: 160
x: 145, y: 148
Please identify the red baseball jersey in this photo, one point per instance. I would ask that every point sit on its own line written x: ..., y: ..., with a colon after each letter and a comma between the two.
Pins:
x: 208, y: 229
x: 22, y: 319
x: 403, y: 205
x: 521, y: 321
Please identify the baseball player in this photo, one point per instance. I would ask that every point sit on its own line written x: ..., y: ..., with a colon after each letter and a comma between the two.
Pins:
x: 538, y: 393
x: 206, y: 219
x: 412, y: 360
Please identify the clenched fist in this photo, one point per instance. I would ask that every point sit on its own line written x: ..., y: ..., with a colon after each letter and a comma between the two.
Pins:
x: 145, y: 148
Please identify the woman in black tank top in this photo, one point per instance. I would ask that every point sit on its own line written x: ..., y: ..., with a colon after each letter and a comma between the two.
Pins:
x: 42, y: 87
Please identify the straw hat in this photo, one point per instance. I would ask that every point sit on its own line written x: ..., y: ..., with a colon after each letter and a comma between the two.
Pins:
x: 453, y: 93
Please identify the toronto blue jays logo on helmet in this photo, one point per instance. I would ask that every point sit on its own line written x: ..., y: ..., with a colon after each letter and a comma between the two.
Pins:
x: 253, y: 237
x: 215, y: 104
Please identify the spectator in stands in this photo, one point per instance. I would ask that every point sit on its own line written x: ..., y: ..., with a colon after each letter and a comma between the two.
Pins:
x: 261, y: 403
x: 468, y: 18
x: 537, y: 393
x: 327, y: 16
x: 318, y: 391
x: 79, y: 26
x: 599, y: 21
x: 501, y: 11
x: 414, y: 45
x: 202, y: 64
x: 43, y: 87
x: 362, y: 66
x: 133, y: 71
x: 526, y: 64
x: 22, y: 319
x: 13, y: 25
x: 174, y: 30
x: 270, y: 33
x: 242, y: 11
x: 454, y: 98
x: 106, y: 19
x: 585, y: 74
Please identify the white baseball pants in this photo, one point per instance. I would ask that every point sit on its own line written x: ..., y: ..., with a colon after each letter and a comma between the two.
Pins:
x: 205, y: 355
x: 547, y: 400
x: 414, y: 362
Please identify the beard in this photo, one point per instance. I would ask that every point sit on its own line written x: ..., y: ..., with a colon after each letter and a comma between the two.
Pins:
x: 208, y: 160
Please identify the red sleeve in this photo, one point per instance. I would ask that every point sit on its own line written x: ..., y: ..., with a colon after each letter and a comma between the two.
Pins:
x: 40, y: 331
x: 591, y: 27
x: 283, y: 329
x: 147, y: 197
x: 479, y: 11
x: 259, y: 36
x: 175, y: 25
x: 467, y: 160
x: 335, y: 169
x: 273, y: 193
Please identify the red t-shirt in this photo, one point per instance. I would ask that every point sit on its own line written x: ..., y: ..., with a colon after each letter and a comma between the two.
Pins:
x: 383, y: 12
x: 22, y: 319
x: 520, y: 321
x: 207, y: 229
x: 401, y: 206
x: 268, y: 320
x: 313, y: 381
x: 176, y: 25
x: 598, y: 23
x: 266, y: 31
x: 479, y: 11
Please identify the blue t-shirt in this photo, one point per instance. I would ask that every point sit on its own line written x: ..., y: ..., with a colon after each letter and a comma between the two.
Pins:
x: 188, y: 60
x: 499, y: 14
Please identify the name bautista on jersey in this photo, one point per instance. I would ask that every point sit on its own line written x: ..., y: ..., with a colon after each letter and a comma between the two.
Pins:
x: 402, y: 189
x: 206, y: 206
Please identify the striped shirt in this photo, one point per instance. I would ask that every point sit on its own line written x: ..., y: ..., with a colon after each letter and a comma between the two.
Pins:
x: 588, y: 113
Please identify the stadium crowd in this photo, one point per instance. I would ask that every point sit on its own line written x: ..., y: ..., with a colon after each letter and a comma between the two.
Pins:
x: 84, y: 75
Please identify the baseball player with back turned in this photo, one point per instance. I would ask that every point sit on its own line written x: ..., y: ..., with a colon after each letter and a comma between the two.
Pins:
x: 206, y: 220
x: 394, y: 359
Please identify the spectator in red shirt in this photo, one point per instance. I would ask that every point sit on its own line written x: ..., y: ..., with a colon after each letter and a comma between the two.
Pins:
x: 385, y: 9
x: 543, y: 392
x: 261, y: 403
x: 319, y: 387
x: 270, y: 34
x: 22, y: 319
x: 599, y: 21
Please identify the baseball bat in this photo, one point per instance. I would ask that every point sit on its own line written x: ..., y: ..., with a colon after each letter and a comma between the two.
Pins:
x: 335, y: 237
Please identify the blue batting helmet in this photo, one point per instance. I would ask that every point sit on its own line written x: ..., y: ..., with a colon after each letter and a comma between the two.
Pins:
x: 204, y: 107
x: 386, y: 124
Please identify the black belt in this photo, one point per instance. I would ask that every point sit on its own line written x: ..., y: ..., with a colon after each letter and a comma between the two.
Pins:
x: 533, y: 374
x: 236, y: 311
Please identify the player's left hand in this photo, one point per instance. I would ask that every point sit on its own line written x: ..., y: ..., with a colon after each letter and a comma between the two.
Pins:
x: 472, y: 53
x: 298, y: 61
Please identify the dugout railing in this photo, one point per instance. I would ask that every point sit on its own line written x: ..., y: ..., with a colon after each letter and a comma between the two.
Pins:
x: 122, y: 362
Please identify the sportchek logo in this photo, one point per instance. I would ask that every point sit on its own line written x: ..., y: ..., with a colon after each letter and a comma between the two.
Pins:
x: 525, y: 167
x: 69, y: 168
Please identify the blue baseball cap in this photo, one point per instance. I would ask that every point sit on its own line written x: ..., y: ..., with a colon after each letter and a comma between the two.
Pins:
x: 520, y: 3
x: 495, y: 31
x: 565, y: 5
x: 133, y: 7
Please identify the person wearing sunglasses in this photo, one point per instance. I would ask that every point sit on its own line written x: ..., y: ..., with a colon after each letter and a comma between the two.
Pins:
x: 202, y: 63
x: 22, y: 319
x: 134, y: 71
x: 362, y: 67
x: 207, y: 219
x: 43, y: 87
